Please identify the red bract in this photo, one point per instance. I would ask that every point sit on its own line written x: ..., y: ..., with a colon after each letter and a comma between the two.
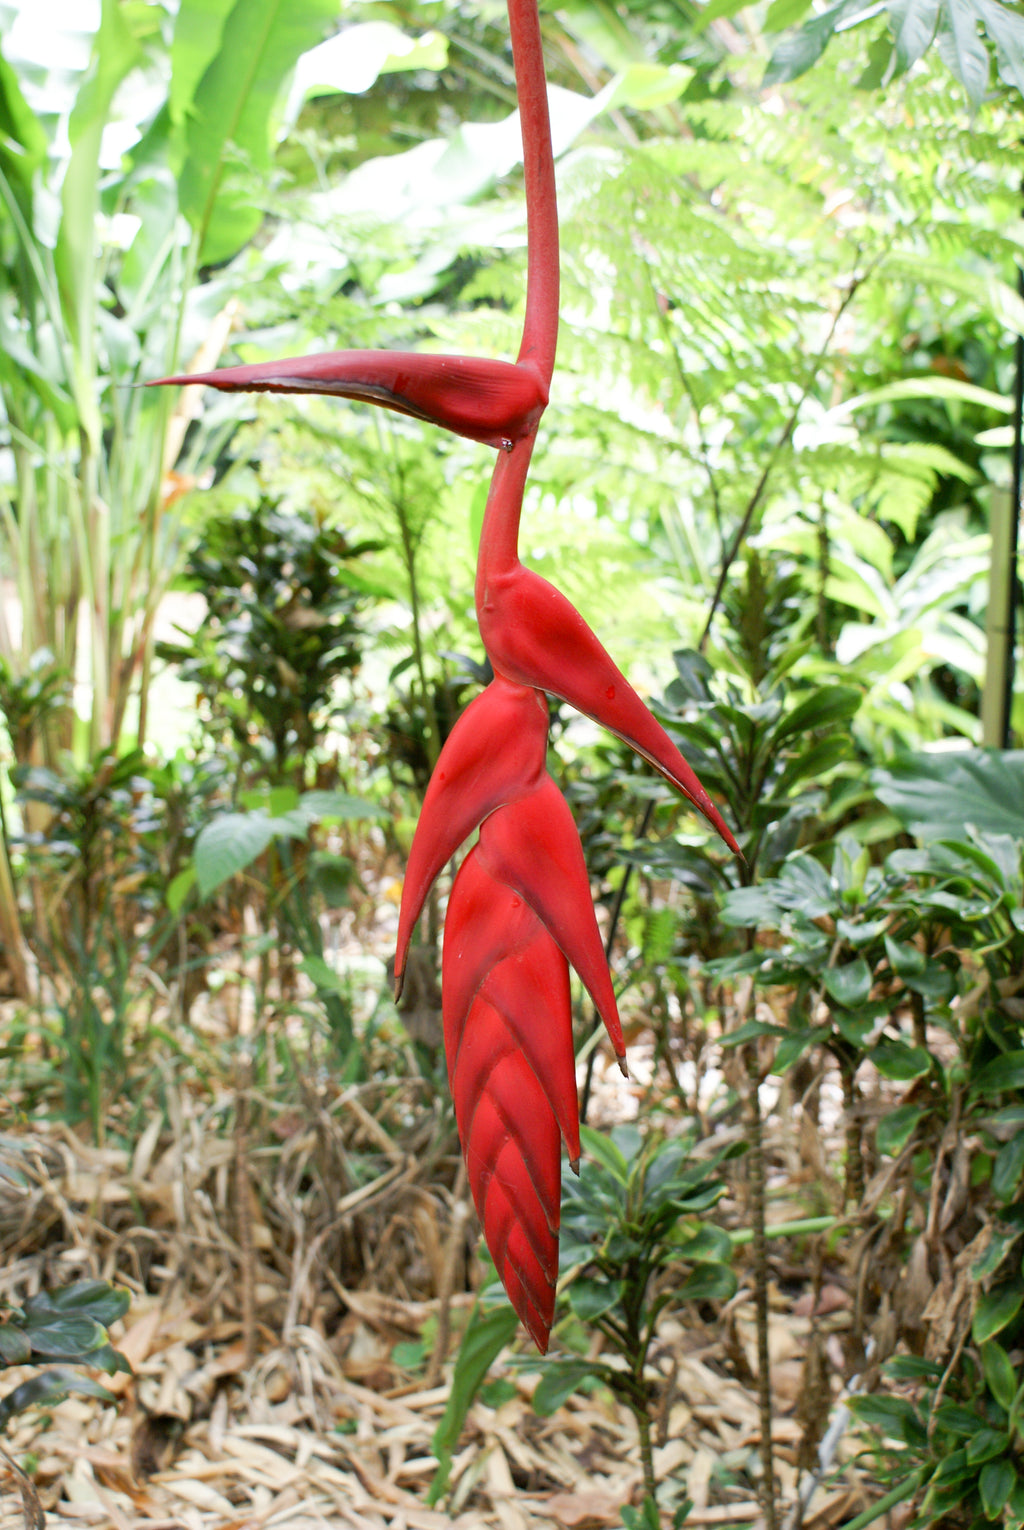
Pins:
x: 533, y: 847
x: 473, y: 776
x: 495, y: 402
x: 508, y: 1041
x: 536, y: 637
x: 520, y: 909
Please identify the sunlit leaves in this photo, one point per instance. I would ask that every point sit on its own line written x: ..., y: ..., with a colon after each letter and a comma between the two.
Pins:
x: 234, y: 112
x: 963, y: 30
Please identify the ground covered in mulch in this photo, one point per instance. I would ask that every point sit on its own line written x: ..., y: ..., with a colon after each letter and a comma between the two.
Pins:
x: 301, y: 1257
x: 284, y: 1258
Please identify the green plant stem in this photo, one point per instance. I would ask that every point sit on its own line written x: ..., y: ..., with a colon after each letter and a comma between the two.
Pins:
x: 888, y: 1501
x: 10, y: 921
x: 803, y: 1227
x: 854, y: 1147
x: 643, y: 1424
x: 410, y: 552
x: 780, y: 445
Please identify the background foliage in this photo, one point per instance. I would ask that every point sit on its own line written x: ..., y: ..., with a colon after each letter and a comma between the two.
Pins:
x: 233, y: 634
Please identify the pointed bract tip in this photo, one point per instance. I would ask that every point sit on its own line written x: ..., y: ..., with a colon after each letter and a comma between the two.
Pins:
x: 399, y: 984
x: 574, y: 1165
x: 622, y: 1066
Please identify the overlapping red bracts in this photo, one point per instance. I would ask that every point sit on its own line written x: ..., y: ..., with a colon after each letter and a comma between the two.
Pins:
x: 508, y: 1041
x: 520, y: 909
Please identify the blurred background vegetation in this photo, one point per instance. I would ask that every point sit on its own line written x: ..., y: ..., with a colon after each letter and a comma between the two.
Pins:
x: 235, y: 631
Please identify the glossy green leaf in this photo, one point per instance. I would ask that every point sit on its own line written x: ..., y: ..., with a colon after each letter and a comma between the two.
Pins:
x: 830, y: 707
x: 963, y: 50
x: 706, y: 1244
x: 999, y: 1373
x: 896, y: 1128
x: 1001, y: 1073
x: 935, y: 795
x: 995, y: 1310
x: 49, y: 1388
x: 228, y: 845
x: 900, y: 1062
x: 986, y: 1445
x: 1008, y: 1167
x: 895, y: 1417
x: 795, y: 54
x: 65, y: 1338
x: 913, y: 24
x: 794, y: 1045
x: 1005, y: 26
x: 996, y: 1483
x: 198, y: 35
x: 999, y: 1246
x: 234, y: 113
x: 905, y: 959
x: 178, y: 889
x: 338, y: 807
x: 708, y: 1283
x: 96, y: 1299
x: 15, y: 1348
x: 592, y: 1298
x: 605, y: 1152
x: 849, y: 984
x: 561, y: 1378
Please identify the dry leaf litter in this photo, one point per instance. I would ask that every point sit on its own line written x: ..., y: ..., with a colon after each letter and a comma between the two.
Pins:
x: 278, y: 1256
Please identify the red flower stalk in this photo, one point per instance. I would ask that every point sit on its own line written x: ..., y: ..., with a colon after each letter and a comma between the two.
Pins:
x: 520, y: 909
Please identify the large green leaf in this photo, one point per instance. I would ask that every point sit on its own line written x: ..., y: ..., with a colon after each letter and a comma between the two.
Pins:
x: 95, y: 1299
x: 1006, y: 29
x: 116, y: 51
x: 559, y: 1381
x: 234, y: 114
x: 353, y: 60
x: 47, y: 1390
x: 798, y: 50
x: 935, y: 795
x: 995, y: 1310
x: 198, y: 35
x: 963, y: 50
x: 913, y: 24
x: 228, y: 845
x: 22, y: 140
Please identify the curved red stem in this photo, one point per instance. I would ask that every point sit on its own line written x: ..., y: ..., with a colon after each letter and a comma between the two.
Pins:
x: 540, y: 330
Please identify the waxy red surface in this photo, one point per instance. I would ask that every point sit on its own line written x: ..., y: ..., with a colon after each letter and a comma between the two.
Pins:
x: 520, y: 910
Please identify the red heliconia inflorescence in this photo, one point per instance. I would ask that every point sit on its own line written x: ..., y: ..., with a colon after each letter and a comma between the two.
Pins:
x: 520, y: 911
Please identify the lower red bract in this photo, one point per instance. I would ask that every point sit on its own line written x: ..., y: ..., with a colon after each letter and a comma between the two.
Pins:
x: 508, y: 1041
